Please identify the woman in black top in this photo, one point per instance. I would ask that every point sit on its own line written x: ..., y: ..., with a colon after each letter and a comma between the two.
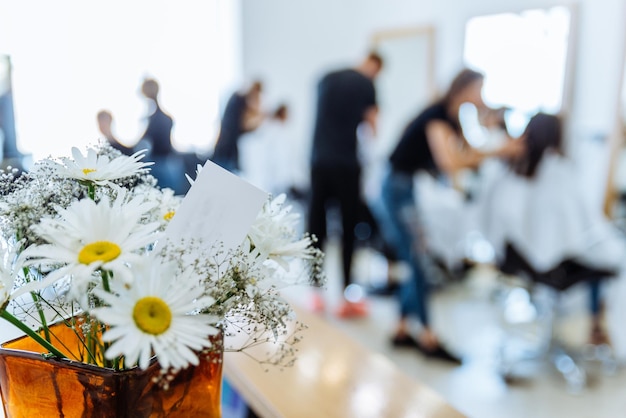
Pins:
x: 432, y: 142
x: 242, y: 115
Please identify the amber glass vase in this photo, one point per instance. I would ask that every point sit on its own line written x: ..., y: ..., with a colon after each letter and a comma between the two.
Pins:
x: 35, y: 386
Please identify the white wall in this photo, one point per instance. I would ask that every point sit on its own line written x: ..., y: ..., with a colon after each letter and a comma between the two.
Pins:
x: 291, y: 43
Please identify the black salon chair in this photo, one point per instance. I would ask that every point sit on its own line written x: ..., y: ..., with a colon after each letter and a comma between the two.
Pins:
x: 567, y: 361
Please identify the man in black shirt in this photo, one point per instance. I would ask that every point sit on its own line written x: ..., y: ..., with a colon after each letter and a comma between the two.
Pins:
x: 345, y: 99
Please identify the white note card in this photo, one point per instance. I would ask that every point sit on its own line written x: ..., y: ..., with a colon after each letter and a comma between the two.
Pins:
x: 219, y: 207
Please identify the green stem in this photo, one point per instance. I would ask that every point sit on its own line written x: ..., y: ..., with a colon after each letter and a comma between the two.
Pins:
x: 32, y: 334
x: 105, y: 281
x: 37, y: 301
x: 92, y: 337
x: 225, y: 298
x: 92, y: 350
x: 91, y: 191
x: 107, y: 287
x: 42, y: 316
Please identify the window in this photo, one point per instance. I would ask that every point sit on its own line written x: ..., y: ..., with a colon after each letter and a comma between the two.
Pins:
x: 71, y: 60
x: 524, y: 59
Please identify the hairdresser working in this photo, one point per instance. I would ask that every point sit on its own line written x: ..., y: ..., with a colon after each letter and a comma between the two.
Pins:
x: 432, y: 142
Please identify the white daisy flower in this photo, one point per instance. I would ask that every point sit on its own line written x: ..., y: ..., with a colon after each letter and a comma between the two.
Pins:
x: 274, y: 234
x: 87, y: 236
x: 157, y: 314
x: 7, y: 272
x: 167, y: 204
x: 155, y: 297
x: 100, y: 169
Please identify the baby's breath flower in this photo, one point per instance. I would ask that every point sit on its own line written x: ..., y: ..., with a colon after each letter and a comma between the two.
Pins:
x: 83, y: 233
x: 29, y: 197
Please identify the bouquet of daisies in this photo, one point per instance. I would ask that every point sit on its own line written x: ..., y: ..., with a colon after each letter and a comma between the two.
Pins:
x: 82, y: 242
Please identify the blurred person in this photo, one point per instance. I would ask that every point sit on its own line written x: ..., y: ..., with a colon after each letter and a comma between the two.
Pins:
x: 432, y: 143
x: 345, y: 99
x: 497, y: 134
x: 266, y: 158
x: 536, y: 205
x: 485, y: 130
x: 105, y: 121
x: 1, y: 146
x: 242, y: 114
x: 168, y: 168
x: 369, y: 229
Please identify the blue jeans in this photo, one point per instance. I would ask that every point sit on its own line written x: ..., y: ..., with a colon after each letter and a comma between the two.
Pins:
x: 595, y: 297
x: 403, y: 226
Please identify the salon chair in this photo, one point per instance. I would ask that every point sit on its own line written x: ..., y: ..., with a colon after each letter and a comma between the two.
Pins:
x: 543, y: 291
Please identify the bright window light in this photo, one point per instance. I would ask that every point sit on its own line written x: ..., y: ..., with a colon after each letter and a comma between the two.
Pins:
x: 523, y: 57
x: 71, y: 59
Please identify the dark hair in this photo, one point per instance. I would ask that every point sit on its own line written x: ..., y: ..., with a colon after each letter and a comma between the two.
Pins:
x: 256, y: 85
x: 543, y: 132
x: 150, y: 88
x: 376, y: 57
x: 280, y: 112
x: 462, y: 80
x: 104, y: 114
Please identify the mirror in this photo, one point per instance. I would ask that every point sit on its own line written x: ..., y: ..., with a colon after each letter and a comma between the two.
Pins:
x: 615, y: 199
x: 406, y: 83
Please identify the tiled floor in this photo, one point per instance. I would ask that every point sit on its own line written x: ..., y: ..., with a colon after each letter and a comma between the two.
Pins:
x: 467, y: 316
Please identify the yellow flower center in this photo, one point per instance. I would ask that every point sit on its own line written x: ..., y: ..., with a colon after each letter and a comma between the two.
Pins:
x: 169, y: 215
x: 88, y: 170
x: 152, y: 315
x: 99, y: 251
